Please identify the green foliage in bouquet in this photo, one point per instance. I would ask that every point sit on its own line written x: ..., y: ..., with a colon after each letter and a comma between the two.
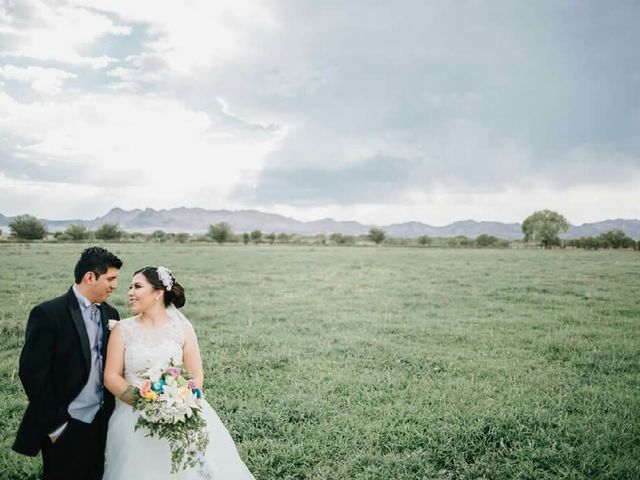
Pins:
x: 187, y: 440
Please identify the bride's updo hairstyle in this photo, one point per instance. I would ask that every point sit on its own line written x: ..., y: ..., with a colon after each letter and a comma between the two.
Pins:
x: 161, y: 278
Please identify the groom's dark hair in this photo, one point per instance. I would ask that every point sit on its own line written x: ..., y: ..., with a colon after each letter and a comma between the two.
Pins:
x: 97, y: 260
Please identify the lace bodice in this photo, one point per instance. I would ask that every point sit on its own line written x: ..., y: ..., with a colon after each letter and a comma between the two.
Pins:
x: 146, y: 347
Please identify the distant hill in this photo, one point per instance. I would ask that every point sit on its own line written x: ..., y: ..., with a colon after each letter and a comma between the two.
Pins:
x: 468, y: 228
x: 630, y: 227
x: 197, y: 220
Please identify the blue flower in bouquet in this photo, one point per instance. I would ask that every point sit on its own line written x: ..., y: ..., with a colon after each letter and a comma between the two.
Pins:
x: 158, y: 386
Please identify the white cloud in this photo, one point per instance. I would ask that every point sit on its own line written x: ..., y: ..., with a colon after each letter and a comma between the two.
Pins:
x: 195, y: 34
x: 45, y: 80
x: 19, y: 196
x: 141, y: 69
x: 56, y: 32
x: 154, y: 147
x: 123, y: 30
x: 580, y: 204
x: 452, y: 114
x: 125, y: 86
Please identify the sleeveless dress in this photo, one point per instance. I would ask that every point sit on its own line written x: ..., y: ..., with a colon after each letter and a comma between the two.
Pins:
x: 131, y: 454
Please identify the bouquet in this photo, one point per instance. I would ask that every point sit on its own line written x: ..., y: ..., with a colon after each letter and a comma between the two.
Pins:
x: 170, y: 407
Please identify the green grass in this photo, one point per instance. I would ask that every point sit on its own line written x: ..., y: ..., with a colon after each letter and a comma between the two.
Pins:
x: 388, y: 363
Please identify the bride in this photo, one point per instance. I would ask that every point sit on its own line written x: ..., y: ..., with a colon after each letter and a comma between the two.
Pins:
x: 158, y: 333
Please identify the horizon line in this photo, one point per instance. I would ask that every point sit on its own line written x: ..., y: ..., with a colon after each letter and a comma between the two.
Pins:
x: 302, y: 221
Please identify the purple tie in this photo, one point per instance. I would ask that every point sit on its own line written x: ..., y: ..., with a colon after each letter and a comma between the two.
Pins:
x: 97, y: 342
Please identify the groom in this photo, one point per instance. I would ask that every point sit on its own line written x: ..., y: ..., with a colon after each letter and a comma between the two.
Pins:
x: 61, y: 367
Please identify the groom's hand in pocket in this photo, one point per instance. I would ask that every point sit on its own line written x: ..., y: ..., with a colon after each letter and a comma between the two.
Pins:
x: 55, y: 435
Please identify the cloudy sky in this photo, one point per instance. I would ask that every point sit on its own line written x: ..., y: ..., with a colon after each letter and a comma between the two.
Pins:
x: 375, y: 111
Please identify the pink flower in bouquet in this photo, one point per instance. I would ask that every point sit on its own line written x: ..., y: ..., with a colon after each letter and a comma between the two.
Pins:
x: 192, y: 385
x: 146, y: 387
x: 173, y: 371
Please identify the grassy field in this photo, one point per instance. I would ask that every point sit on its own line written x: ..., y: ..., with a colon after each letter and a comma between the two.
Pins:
x: 387, y: 363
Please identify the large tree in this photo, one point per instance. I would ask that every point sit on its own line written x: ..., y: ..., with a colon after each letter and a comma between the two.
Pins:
x: 544, y: 226
x: 26, y: 227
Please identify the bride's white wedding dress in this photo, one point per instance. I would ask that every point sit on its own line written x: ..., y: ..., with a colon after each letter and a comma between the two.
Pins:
x: 131, y: 454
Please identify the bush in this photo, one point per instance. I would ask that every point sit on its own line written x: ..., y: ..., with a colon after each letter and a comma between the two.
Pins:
x: 588, y: 243
x: 220, y: 232
x: 398, y: 241
x: 256, y: 236
x: 490, y: 241
x: 26, y: 227
x: 109, y: 231
x: 460, y: 241
x: 610, y: 239
x: 376, y: 235
x: 182, y: 237
x: 341, y: 239
x: 485, y: 240
x: 134, y: 236
x: 616, y: 239
x: 76, y: 232
x: 159, y: 236
x: 320, y: 239
x: 424, y: 240
x: 271, y: 238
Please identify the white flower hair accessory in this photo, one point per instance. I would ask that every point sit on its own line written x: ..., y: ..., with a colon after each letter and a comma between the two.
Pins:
x: 164, y: 274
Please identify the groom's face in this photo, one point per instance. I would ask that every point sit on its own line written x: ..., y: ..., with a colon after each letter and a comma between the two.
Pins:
x: 101, y: 287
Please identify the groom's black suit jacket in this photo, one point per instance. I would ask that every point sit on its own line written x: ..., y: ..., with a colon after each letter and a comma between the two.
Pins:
x: 54, y: 367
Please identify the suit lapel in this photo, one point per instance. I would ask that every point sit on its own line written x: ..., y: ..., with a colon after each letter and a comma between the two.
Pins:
x: 81, y: 328
x: 104, y: 321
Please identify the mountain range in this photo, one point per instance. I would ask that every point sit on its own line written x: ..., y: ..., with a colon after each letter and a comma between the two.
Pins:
x: 197, y: 220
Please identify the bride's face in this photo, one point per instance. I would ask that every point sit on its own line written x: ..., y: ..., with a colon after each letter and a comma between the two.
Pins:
x: 142, y: 295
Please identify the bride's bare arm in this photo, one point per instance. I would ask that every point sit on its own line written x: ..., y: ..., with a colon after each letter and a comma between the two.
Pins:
x: 114, y: 369
x: 191, y: 355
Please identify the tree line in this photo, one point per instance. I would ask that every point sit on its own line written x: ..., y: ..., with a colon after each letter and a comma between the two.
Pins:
x: 541, y: 228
